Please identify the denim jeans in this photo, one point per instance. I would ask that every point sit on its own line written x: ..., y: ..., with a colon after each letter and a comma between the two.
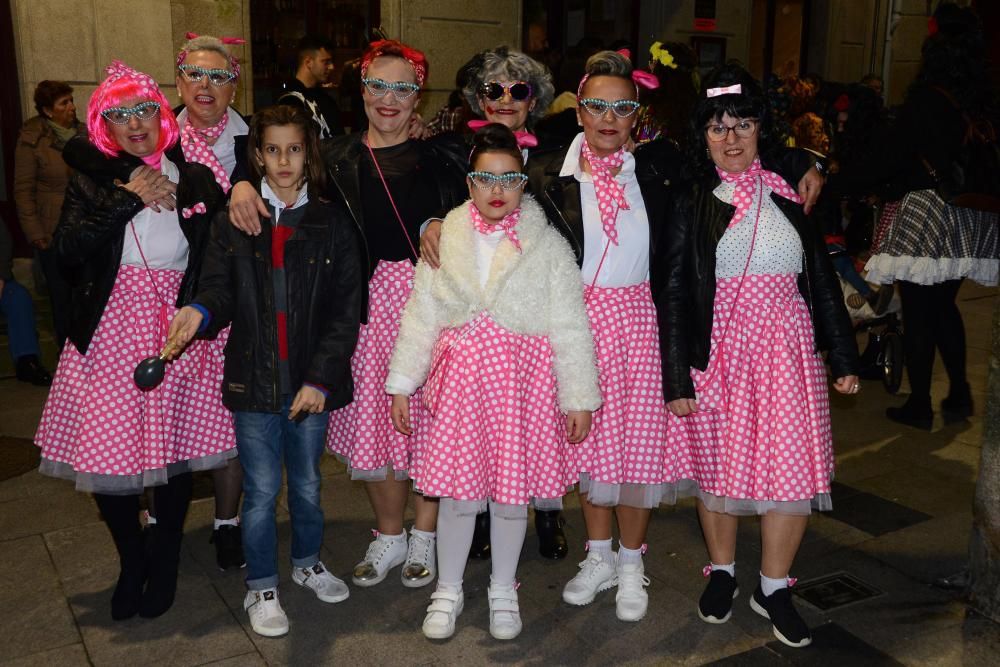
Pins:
x: 264, y: 440
x: 17, y: 309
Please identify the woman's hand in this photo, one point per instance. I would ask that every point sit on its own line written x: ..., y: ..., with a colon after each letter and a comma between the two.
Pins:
x: 308, y: 399
x: 400, y: 413
x: 430, y: 243
x: 182, y: 329
x: 418, y: 128
x: 577, y: 426
x: 245, y: 208
x: 847, y: 385
x: 682, y: 407
x: 154, y: 188
x: 809, y: 188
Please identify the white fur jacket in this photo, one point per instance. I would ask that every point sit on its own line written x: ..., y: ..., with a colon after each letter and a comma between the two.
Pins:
x: 538, y: 291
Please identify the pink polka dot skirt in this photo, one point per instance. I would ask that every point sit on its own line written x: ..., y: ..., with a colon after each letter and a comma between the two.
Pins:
x: 761, y: 437
x: 628, y: 457
x: 106, y: 434
x: 497, y: 432
x: 361, y: 434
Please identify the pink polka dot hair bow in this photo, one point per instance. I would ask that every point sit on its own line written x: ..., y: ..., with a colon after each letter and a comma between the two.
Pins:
x: 119, y: 70
x: 198, y: 208
x: 524, y: 139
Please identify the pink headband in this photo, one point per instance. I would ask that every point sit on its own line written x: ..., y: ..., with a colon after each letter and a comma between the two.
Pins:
x: 640, y: 78
x: 233, y: 60
x: 735, y: 89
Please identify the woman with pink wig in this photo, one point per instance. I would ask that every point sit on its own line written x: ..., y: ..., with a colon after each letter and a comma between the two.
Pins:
x: 129, y: 264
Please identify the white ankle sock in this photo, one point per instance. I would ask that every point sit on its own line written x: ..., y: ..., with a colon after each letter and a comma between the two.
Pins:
x: 150, y: 519
x: 393, y: 538
x: 235, y: 521
x: 454, y: 538
x: 507, y: 530
x: 602, y: 547
x: 729, y: 569
x: 422, y: 533
x: 768, y: 585
x: 628, y: 556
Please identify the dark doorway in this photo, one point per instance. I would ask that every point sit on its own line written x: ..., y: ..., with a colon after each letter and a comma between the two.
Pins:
x: 10, y: 125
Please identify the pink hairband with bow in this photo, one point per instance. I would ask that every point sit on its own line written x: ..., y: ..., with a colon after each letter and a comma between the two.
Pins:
x: 735, y: 89
x: 233, y: 60
x: 641, y: 78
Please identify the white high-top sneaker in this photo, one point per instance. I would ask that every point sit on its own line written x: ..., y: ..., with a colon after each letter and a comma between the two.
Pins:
x: 596, y: 574
x: 383, y: 554
x: 420, y: 566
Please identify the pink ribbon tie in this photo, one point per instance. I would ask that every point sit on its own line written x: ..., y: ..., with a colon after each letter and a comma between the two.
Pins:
x: 508, y: 224
x: 645, y: 79
x: 194, y: 210
x: 610, y: 193
x: 746, y: 187
x: 707, y: 570
x: 194, y: 145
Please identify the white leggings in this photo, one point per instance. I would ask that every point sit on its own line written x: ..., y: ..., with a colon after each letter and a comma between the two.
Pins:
x: 455, y: 526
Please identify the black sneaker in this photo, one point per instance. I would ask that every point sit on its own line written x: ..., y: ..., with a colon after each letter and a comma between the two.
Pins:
x: 551, y: 538
x: 480, y: 549
x: 786, y: 623
x: 228, y: 542
x: 716, y: 603
x: 29, y: 369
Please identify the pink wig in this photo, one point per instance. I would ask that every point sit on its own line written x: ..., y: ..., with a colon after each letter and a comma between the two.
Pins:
x: 125, y: 85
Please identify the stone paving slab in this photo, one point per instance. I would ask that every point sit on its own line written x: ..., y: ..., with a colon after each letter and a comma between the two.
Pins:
x: 74, y: 655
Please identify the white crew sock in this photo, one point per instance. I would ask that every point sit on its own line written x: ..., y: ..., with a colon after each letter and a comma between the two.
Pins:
x: 728, y: 569
x: 422, y: 533
x: 235, y: 521
x: 602, y: 547
x: 393, y: 538
x: 507, y: 531
x: 454, y: 539
x: 768, y: 585
x: 628, y: 556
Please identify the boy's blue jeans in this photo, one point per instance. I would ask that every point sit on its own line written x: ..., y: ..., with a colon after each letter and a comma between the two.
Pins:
x: 17, y: 309
x: 264, y: 441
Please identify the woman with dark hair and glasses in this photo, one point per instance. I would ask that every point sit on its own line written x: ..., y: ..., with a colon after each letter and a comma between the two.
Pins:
x: 750, y: 298
x: 391, y: 184
x: 128, y: 265
x: 214, y: 134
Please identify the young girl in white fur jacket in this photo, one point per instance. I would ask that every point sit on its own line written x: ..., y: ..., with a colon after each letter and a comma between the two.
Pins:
x: 501, y: 337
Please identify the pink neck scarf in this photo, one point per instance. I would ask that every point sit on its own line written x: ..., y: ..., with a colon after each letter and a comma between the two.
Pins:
x: 524, y: 139
x: 194, y: 145
x: 610, y: 193
x: 746, y: 186
x: 508, y: 224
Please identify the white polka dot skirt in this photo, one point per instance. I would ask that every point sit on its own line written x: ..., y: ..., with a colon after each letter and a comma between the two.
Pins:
x: 361, y: 434
x: 628, y: 457
x: 106, y: 434
x: 761, y: 440
x: 497, y: 432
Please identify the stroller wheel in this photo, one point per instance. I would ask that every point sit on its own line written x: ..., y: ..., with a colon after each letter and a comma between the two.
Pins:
x: 891, y: 358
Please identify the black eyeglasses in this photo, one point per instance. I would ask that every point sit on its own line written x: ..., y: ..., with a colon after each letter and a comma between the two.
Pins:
x: 495, y: 90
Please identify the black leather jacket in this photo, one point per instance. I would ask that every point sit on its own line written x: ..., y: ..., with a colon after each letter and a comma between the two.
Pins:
x: 323, y: 275
x: 91, y: 233
x: 696, y: 221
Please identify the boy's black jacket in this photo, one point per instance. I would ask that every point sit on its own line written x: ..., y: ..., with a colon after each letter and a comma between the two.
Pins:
x: 325, y: 289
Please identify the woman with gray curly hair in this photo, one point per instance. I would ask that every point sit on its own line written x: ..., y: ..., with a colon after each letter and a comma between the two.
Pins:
x: 510, y: 88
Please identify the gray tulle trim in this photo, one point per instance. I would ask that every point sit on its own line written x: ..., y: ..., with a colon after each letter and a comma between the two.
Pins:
x: 130, y: 485
x: 644, y: 496
x: 377, y: 475
x: 500, y: 511
x: 746, y: 507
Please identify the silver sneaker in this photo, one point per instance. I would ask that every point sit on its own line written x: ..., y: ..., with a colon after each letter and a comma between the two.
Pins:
x: 420, y: 566
x: 382, y: 555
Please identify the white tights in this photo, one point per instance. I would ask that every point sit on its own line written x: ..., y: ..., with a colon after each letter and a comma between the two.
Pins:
x: 455, y: 527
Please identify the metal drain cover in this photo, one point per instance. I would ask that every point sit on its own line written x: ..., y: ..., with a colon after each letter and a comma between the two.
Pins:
x: 834, y: 591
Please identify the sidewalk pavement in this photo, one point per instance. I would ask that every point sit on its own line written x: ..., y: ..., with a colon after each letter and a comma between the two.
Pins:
x: 901, y: 520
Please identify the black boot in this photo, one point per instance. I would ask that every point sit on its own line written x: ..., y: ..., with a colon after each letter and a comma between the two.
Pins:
x: 915, y: 413
x: 29, y: 369
x: 551, y: 538
x: 121, y: 514
x: 172, y: 502
x: 958, y: 405
x: 480, y: 548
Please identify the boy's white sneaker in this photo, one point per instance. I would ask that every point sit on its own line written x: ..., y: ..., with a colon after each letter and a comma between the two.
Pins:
x: 632, y: 599
x: 318, y: 579
x: 596, y: 574
x: 267, y: 618
x: 505, y: 616
x: 383, y: 554
x: 445, y: 607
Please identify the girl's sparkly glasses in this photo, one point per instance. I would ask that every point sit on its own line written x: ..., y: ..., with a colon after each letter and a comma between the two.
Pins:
x: 596, y: 107
x: 402, y: 90
x: 121, y: 115
x: 484, y: 180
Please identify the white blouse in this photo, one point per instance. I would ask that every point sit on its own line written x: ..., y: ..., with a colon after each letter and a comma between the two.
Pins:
x: 777, y: 250
x: 161, y: 240
x: 486, y: 248
x: 628, y: 262
x: 225, y: 146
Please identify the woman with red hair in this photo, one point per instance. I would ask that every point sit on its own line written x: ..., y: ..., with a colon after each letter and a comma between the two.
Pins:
x: 391, y: 184
x: 129, y: 265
